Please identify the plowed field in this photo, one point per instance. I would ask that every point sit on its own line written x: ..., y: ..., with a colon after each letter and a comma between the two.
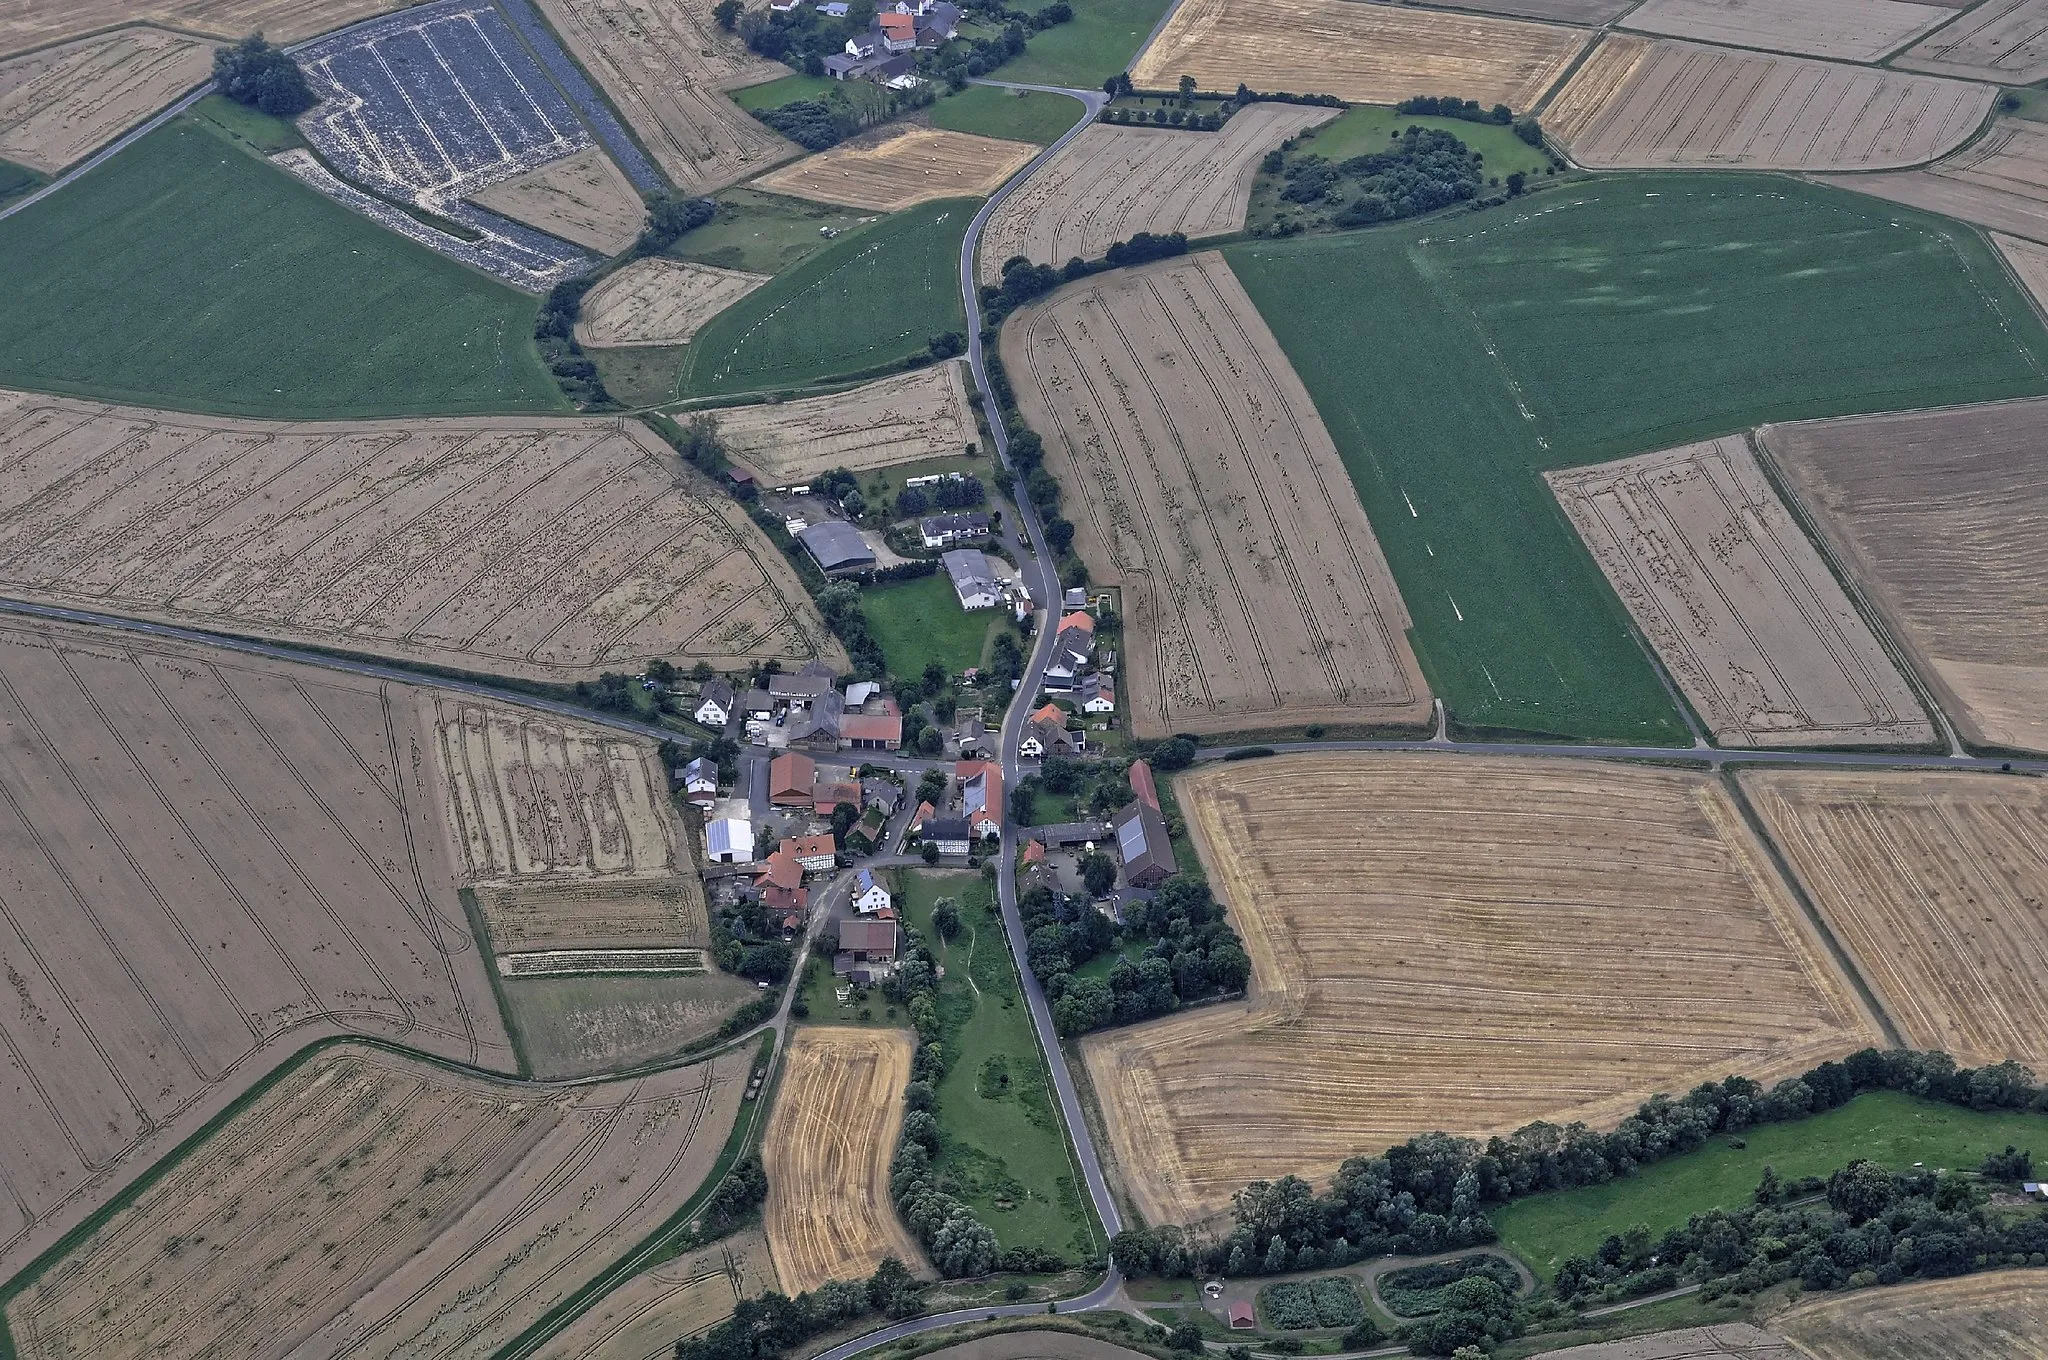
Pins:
x: 582, y: 198
x: 33, y: 23
x: 2003, y: 1313
x: 919, y: 415
x: 1999, y: 182
x: 1446, y: 942
x: 1853, y: 30
x: 897, y: 167
x: 659, y: 302
x: 645, y: 1317
x: 2003, y: 40
x: 62, y: 102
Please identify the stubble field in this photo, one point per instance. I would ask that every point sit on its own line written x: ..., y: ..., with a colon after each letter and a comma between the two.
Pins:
x: 1935, y: 884
x: 1642, y: 103
x: 59, y: 103
x: 1201, y: 480
x: 1591, y: 12
x: 2000, y: 181
x: 905, y: 419
x: 1458, y: 943
x: 830, y: 1139
x: 659, y: 302
x: 1364, y: 53
x: 1934, y: 514
x: 545, y: 550
x: 645, y: 1317
x: 2003, y: 40
x: 897, y: 167
x: 1110, y: 183
x: 2002, y: 1313
x: 2029, y: 263
x: 33, y: 23
x: 1737, y: 602
x: 582, y: 198
x: 1851, y: 30
x: 1723, y: 1341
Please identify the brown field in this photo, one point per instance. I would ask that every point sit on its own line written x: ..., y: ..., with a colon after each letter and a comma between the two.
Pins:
x: 2002, y: 40
x: 1642, y: 103
x: 666, y: 65
x: 1110, y: 183
x: 582, y: 198
x: 1203, y: 482
x: 1034, y: 1346
x: 36, y: 23
x: 1852, y: 30
x: 831, y: 1136
x: 207, y: 862
x: 1365, y: 53
x: 898, y: 166
x: 1722, y: 1341
x: 645, y: 1317
x: 543, y: 549
x: 1935, y: 515
x: 1736, y: 600
x: 919, y: 415
x: 583, y: 1024
x: 2000, y: 181
x: 1593, y: 12
x: 659, y: 302
x: 2003, y: 1313
x: 1936, y: 882
x: 62, y: 102
x: 375, y: 1205
x: 1450, y: 942
x: 2028, y: 261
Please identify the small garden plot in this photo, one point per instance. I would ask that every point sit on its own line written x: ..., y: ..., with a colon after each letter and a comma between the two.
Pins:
x: 1419, y: 1290
x: 1296, y: 1305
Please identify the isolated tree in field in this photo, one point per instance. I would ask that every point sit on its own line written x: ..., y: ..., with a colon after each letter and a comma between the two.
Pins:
x: 253, y: 72
x: 946, y: 918
x: 1187, y: 90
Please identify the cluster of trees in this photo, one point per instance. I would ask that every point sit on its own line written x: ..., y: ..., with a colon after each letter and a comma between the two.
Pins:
x: 839, y: 603
x: 264, y: 77
x: 951, y: 493
x: 766, y: 1327
x: 1023, y: 281
x: 695, y: 440
x: 1422, y: 170
x: 958, y: 62
x: 669, y: 216
x: 1450, y: 106
x: 555, y: 328
x: 1191, y: 954
x: 744, y: 1189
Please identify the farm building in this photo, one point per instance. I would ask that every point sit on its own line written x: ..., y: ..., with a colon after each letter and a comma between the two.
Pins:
x: 943, y: 531
x: 757, y: 706
x: 871, y: 731
x: 1066, y: 835
x: 867, y: 950
x: 1242, y: 1316
x: 831, y: 790
x: 974, y: 580
x: 729, y: 840
x: 951, y: 834
x: 870, y: 896
x: 815, y: 724
x: 1143, y: 787
x: 981, y: 795
x: 715, y: 704
x: 837, y: 547
x: 813, y: 854
x: 791, y: 778
x: 1143, y: 845
x: 812, y: 681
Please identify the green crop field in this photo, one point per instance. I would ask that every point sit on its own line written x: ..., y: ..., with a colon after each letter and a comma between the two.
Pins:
x: 1020, y: 115
x: 17, y: 181
x: 188, y: 273
x: 1885, y: 1126
x: 1455, y: 359
x: 775, y: 93
x: 765, y: 233
x: 921, y: 621
x: 1098, y: 42
x: 869, y: 300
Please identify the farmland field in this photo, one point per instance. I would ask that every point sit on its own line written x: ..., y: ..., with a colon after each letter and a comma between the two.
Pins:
x: 1643, y: 103
x: 1934, y: 513
x: 1202, y: 481
x: 582, y: 198
x: 646, y: 1316
x: 2003, y: 40
x: 2029, y: 261
x: 922, y: 414
x: 1019, y: 115
x: 1736, y: 601
x: 1110, y: 183
x: 1934, y: 882
x: 1098, y: 41
x: 547, y: 550
x: 659, y: 302
x: 2003, y: 1313
x: 1363, y: 53
x: 62, y: 102
x: 1592, y: 12
x: 831, y: 1136
x: 1852, y: 30
x: 896, y: 167
x: 1718, y: 1341
x: 578, y: 1025
x: 1453, y: 942
x: 210, y: 862
x: 27, y: 23
x: 1026, y: 1345
x: 1454, y: 362
x: 871, y: 299
x: 1999, y: 181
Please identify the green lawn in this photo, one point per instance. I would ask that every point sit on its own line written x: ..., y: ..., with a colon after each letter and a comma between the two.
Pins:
x: 1456, y: 359
x: 1897, y: 1130
x: 1002, y: 1151
x: 1370, y: 127
x: 775, y: 93
x: 1020, y: 115
x: 870, y: 299
x: 1099, y: 41
x: 765, y: 233
x: 185, y: 273
x: 921, y: 621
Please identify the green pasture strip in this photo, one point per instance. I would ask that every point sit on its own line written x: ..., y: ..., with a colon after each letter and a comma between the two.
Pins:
x: 480, y: 930
x: 253, y: 128
x: 1370, y: 127
x: 1019, y: 115
x: 186, y: 274
x: 1098, y: 42
x: 921, y: 621
x: 773, y: 94
x: 764, y: 233
x: 1882, y: 1126
x: 871, y: 299
x: 1457, y: 358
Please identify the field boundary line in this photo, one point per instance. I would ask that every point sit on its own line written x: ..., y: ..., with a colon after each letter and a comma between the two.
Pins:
x: 504, y: 7
x: 480, y: 929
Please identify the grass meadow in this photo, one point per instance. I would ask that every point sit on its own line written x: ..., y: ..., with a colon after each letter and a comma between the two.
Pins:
x: 1098, y: 42
x: 1370, y: 127
x: 1456, y: 359
x: 790, y: 88
x: 921, y: 621
x: 1020, y: 115
x: 869, y: 300
x: 765, y: 233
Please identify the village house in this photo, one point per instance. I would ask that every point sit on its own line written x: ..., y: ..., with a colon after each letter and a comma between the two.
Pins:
x: 865, y: 836
x: 815, y: 854
x: 1072, y: 645
x: 1097, y: 695
x: 869, y: 896
x: 715, y: 704
x: 867, y: 950
x: 981, y: 795
x: 834, y: 787
x: 699, y: 782
x: 885, y: 794
x: 951, y: 835
x: 757, y: 706
x: 974, y: 580
x: 814, y: 723
x: 1046, y: 734
x: 814, y: 680
x: 781, y: 883
x: 943, y: 531
x: 791, y: 780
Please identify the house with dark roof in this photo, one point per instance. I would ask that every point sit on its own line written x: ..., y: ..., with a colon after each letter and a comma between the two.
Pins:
x: 814, y: 679
x: 974, y: 580
x: 866, y: 946
x: 1046, y: 734
x: 699, y: 781
x: 885, y: 794
x: 814, y: 724
x: 952, y: 835
x: 714, y: 703
x: 1069, y: 834
x: 1143, y: 845
x: 943, y: 531
x: 837, y: 547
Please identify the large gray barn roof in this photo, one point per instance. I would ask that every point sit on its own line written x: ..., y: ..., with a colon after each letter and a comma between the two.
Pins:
x: 836, y: 545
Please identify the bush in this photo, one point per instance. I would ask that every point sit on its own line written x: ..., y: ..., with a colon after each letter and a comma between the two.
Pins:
x: 1336, y: 1301
x: 1420, y: 1290
x: 253, y: 72
x: 1289, y: 1306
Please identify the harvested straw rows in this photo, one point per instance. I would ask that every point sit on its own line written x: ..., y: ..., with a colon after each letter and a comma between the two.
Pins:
x: 1999, y: 181
x: 1852, y: 30
x: 898, y: 167
x: 33, y: 23
x: 1738, y: 604
x: 830, y: 1140
x: 2001, y: 40
x: 659, y: 302
x: 2003, y: 1313
x: 59, y: 103
x: 1722, y: 1341
x: 1590, y: 12
x: 1203, y: 483
x: 1110, y: 183
x: 647, y: 1315
x: 1458, y: 942
x: 918, y: 415
x: 583, y: 198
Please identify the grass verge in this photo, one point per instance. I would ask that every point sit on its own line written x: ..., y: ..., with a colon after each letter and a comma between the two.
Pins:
x: 775, y: 93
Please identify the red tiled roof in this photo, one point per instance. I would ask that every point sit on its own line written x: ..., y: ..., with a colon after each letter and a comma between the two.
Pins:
x: 1141, y: 784
x: 781, y: 870
x: 1051, y: 713
x: 805, y: 847
x: 1080, y: 619
x: 791, y: 775
x: 898, y: 25
x: 1034, y: 852
x: 871, y: 727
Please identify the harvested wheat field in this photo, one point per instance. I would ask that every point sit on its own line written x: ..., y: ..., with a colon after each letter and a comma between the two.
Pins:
x: 659, y: 302
x: 1937, y: 516
x: 582, y: 198
x: 36, y: 23
x: 2001, y: 40
x: 2003, y: 1313
x: 645, y: 1317
x: 542, y: 549
x: 62, y: 102
x: 208, y: 861
x: 1449, y: 942
x: 1592, y: 12
x: 666, y: 65
x: 1722, y: 1341
x: 897, y: 167
x: 917, y: 415
x: 1737, y: 602
x: 1936, y: 884
x: 1851, y: 30
x: 1111, y: 183
x: 1642, y: 103
x: 1203, y: 483
x: 2028, y: 261
x: 1999, y: 181
x: 1034, y: 1346
x: 1364, y: 53
x: 830, y: 1139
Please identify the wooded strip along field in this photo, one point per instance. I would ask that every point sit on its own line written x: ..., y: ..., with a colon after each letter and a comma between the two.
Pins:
x: 1737, y: 602
x: 659, y: 302
x: 1934, y: 882
x: 548, y: 550
x: 33, y: 23
x: 1937, y: 515
x: 1111, y: 183
x: 2002, y: 40
x: 1364, y: 53
x: 1852, y: 30
x: 1201, y: 480
x: 207, y: 862
x: 917, y: 415
x: 1641, y: 103
x: 62, y: 102
x: 1999, y: 181
x: 1449, y: 942
x: 645, y: 1317
x: 582, y: 198
x: 2002, y: 1313
x: 898, y: 166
